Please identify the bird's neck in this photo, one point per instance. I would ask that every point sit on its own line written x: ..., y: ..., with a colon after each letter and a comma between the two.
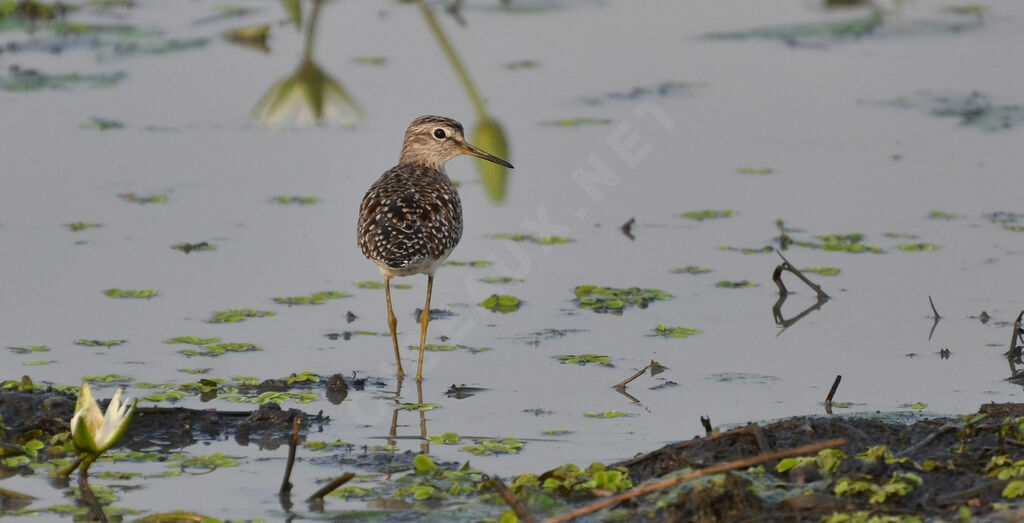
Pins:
x: 411, y: 157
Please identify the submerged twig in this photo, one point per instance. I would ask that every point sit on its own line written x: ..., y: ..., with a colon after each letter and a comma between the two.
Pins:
x: 286, y: 484
x: 832, y: 393
x: 932, y: 303
x: 714, y: 469
x: 513, y: 502
x: 318, y: 496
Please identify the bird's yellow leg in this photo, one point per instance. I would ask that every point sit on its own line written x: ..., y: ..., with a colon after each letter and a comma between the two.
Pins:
x: 424, y: 321
x: 393, y: 325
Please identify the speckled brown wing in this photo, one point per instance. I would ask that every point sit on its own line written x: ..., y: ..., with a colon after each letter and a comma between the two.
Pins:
x: 409, y: 219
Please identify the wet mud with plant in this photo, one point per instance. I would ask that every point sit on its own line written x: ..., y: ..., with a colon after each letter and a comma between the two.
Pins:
x: 806, y: 194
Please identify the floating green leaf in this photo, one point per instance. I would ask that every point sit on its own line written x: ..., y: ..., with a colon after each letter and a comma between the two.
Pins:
x: 543, y: 240
x: 99, y: 343
x: 608, y: 414
x: 917, y: 247
x: 691, y: 269
x: 28, y: 80
x: 418, y: 406
x: 612, y: 299
x: 844, y: 242
x: 316, y: 298
x: 446, y: 347
x: 301, y: 200
x: 735, y: 284
x: 34, y: 363
x: 304, y: 376
x: 375, y: 284
x: 476, y: 263
x: 236, y: 315
x: 915, y: 406
x: 754, y: 170
x: 315, y: 445
x: 707, y: 214
x: 501, y: 279
x: 130, y: 293
x: 107, y: 378
x: 30, y: 348
x: 488, y: 447
x: 131, y: 197
x: 217, y: 349
x: 100, y: 124
x: 189, y: 247
x: 79, y: 226
x: 501, y: 303
x: 675, y: 332
x: 209, y: 462
x: 191, y: 340
x: 555, y: 432
x: 448, y: 438
x: 821, y: 271
x: 942, y: 215
x: 370, y: 60
x: 748, y: 250
x: 583, y: 359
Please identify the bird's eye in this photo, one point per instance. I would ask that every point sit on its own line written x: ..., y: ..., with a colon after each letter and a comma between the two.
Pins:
x: 439, y: 133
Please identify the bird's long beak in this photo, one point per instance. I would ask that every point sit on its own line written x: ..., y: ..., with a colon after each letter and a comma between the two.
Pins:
x: 480, y: 153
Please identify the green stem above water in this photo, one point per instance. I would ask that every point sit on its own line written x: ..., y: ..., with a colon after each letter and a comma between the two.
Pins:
x: 453, y: 57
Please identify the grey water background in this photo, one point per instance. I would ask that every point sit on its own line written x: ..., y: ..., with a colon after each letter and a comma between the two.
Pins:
x: 844, y: 123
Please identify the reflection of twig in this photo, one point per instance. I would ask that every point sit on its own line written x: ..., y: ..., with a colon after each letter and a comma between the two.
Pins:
x: 832, y: 393
x: 627, y: 228
x: 286, y: 484
x: 936, y: 316
x: 783, y: 294
x: 714, y: 469
x: 95, y: 509
x: 510, y: 498
x: 705, y: 422
x: 453, y: 57
x: 1013, y: 355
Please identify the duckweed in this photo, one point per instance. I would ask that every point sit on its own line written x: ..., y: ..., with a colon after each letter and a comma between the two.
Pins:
x: 583, y: 359
x: 237, y: 315
x: 674, y: 332
x: 316, y: 298
x: 99, y: 343
x: 542, y: 240
x: 80, y: 226
x: 501, y: 303
x: 740, y: 284
x: 691, y: 269
x: 707, y: 214
x: 605, y: 299
x: 301, y: 200
x: 130, y: 293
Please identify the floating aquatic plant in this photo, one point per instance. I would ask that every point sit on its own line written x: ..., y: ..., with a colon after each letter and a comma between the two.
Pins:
x: 448, y: 347
x: 316, y: 298
x: 107, y: 378
x: 754, y: 170
x: 674, y: 332
x: 691, y: 269
x: 377, y: 284
x: 501, y: 279
x: 99, y: 343
x: 370, y: 60
x: 301, y: 200
x: 488, y: 446
x: 707, y: 214
x: 448, y: 438
x: 613, y: 299
x: 94, y: 432
x: 475, y: 263
x: 101, y: 124
x: 583, y: 359
x: 192, y: 340
x: 748, y: 250
x: 316, y: 445
x: 501, y: 303
x: 608, y: 414
x: 130, y: 293
x: 131, y: 197
x: 542, y: 240
x: 217, y: 349
x: 189, y: 247
x: 237, y: 315
x: 418, y: 406
x: 942, y: 215
x: 29, y: 348
x: 80, y: 226
x: 28, y: 80
x: 821, y: 271
x: 917, y: 247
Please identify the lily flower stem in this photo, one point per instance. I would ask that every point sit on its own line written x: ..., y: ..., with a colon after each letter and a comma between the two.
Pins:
x: 453, y: 57
x: 95, y: 509
x: 307, y: 48
x: 66, y: 471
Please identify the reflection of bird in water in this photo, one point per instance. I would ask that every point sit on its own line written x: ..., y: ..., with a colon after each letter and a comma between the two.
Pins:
x: 411, y: 218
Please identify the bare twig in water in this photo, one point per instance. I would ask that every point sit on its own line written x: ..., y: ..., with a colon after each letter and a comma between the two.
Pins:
x: 932, y: 303
x: 627, y: 228
x: 705, y: 422
x: 832, y: 393
x: 622, y: 384
x: 286, y: 484
x: 317, y: 498
x: 95, y: 509
x: 786, y: 266
x: 784, y: 293
x: 714, y: 469
x: 510, y: 498
x: 921, y: 444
